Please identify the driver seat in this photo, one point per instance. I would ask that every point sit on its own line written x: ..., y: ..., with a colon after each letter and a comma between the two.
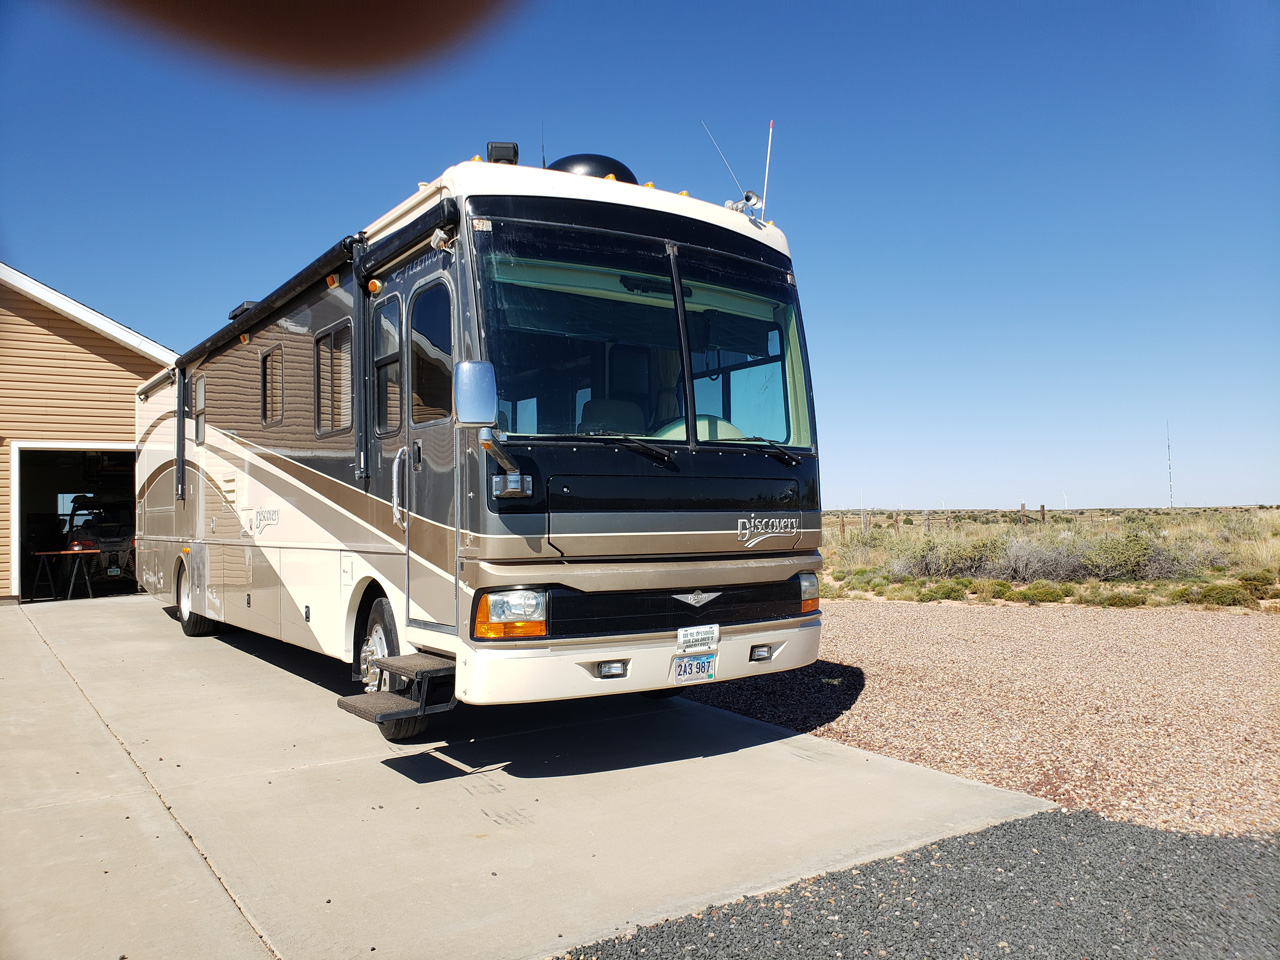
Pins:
x: 612, y: 416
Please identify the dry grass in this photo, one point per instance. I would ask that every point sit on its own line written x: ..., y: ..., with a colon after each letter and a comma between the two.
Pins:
x: 1110, y: 554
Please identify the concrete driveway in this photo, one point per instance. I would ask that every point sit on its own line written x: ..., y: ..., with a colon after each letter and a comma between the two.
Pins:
x: 163, y: 797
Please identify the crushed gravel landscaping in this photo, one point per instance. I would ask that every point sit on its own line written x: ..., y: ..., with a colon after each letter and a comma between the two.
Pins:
x: 1055, y: 885
x: 1157, y: 730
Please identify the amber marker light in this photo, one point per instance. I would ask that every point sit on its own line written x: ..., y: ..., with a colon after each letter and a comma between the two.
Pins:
x: 649, y: 185
x: 684, y: 193
x: 331, y: 280
x: 375, y: 287
x: 808, y: 592
x: 244, y: 338
x: 499, y: 620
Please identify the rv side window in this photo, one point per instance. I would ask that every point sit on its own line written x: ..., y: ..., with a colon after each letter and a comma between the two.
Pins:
x: 386, y: 363
x: 197, y: 406
x: 273, y: 386
x: 333, y: 380
x: 431, y: 330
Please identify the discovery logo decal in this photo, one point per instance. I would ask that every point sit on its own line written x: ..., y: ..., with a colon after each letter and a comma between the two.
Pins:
x: 263, y: 519
x: 753, y: 529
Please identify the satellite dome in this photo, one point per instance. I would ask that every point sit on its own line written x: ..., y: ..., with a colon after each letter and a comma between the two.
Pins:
x: 594, y: 165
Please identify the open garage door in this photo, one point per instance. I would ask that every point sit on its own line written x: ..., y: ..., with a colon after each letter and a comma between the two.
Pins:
x: 75, y: 517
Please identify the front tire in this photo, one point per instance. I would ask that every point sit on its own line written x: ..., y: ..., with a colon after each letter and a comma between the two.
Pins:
x: 193, y: 625
x: 406, y: 729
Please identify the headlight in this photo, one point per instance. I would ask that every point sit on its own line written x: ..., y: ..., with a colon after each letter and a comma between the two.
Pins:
x: 511, y: 613
x: 808, y: 592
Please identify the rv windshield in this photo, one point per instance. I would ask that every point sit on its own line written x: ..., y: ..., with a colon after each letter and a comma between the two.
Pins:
x: 584, y: 334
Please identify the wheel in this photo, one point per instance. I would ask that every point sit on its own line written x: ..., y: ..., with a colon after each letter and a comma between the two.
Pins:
x: 193, y: 625
x: 403, y: 729
x: 380, y: 640
x: 666, y: 693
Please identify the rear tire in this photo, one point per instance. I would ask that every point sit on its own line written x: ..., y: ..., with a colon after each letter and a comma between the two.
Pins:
x: 193, y: 625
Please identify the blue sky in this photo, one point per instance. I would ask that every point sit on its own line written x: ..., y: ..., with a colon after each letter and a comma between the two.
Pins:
x: 1025, y: 235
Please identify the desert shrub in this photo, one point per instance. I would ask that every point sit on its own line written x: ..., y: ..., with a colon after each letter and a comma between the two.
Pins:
x: 829, y: 591
x: 1273, y: 594
x: 1135, y: 556
x: 1119, y: 599
x: 908, y: 522
x: 1068, y: 589
x: 838, y: 575
x: 1026, y: 559
x: 965, y: 582
x: 1227, y: 595
x: 902, y: 591
x: 1044, y: 592
x: 944, y: 591
x: 1257, y: 582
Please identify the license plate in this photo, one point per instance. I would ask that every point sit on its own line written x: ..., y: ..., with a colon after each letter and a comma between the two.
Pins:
x: 698, y: 639
x: 695, y: 669
x: 113, y: 571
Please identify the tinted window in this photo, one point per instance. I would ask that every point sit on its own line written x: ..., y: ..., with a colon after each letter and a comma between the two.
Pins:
x: 273, y: 386
x: 333, y: 380
x: 431, y: 332
x: 386, y: 327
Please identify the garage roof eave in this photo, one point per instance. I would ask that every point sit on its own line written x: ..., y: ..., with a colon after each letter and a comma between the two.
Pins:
x: 74, y: 310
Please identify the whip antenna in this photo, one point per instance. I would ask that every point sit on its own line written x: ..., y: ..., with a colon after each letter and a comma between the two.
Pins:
x: 764, y: 200
x: 722, y: 156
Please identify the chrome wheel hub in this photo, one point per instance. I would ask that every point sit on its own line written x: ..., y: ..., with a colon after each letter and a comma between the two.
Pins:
x: 374, y: 646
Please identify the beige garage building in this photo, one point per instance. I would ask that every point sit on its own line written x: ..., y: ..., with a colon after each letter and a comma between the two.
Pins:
x: 67, y: 381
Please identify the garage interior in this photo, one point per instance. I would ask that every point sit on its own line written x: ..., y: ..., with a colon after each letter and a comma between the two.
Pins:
x: 92, y: 489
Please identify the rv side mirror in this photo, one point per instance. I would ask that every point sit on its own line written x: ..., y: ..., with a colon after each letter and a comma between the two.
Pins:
x: 475, y: 394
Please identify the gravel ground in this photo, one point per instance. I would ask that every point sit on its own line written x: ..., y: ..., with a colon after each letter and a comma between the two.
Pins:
x: 1166, y: 717
x: 1158, y: 730
x: 1055, y: 885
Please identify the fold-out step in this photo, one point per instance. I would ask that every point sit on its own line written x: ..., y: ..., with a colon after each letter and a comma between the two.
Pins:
x: 380, y: 707
x: 417, y: 666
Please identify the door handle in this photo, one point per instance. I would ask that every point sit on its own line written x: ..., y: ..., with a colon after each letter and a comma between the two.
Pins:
x: 395, y: 487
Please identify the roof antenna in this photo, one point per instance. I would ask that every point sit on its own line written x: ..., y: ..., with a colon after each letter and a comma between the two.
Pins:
x: 722, y: 157
x: 767, y: 154
x: 544, y: 144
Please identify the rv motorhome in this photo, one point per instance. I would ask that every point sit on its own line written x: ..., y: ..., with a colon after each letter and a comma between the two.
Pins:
x: 534, y: 434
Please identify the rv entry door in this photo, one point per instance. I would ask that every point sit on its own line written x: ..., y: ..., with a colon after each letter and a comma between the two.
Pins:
x: 429, y: 468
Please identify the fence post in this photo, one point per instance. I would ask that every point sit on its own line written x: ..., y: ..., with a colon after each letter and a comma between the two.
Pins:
x: 842, y: 526
x: 1024, y: 514
x: 926, y: 521
x: 866, y: 522
x: 897, y: 524
x: 1042, y: 513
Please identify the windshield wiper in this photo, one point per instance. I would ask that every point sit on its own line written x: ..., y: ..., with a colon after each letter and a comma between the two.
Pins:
x: 635, y: 443
x: 786, y: 456
x: 622, y: 439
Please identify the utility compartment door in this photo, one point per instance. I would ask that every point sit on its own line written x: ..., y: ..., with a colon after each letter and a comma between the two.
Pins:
x: 431, y: 466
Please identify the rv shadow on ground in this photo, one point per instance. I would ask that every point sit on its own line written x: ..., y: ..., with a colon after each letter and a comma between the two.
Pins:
x: 801, y: 700
x: 572, y: 737
x: 333, y: 675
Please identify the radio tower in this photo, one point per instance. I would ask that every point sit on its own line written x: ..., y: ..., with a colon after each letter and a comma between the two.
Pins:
x: 1168, y: 449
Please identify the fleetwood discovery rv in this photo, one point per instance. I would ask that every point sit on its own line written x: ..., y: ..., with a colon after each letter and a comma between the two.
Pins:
x: 534, y: 434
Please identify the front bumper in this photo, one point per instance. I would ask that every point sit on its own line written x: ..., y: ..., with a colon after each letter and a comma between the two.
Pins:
x: 536, y: 671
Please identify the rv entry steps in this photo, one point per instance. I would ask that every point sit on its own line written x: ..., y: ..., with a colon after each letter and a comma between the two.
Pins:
x: 429, y: 690
x: 381, y: 707
x: 417, y: 666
